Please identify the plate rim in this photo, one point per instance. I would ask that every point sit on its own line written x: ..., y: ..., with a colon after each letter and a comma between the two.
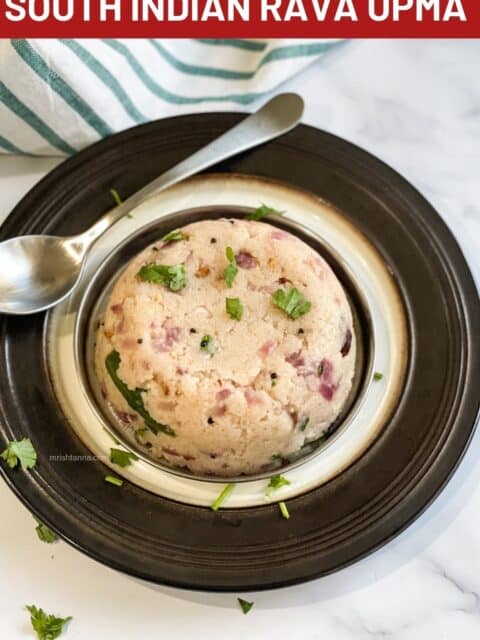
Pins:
x: 460, y: 264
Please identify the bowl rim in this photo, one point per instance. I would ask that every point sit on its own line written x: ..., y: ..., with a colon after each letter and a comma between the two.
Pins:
x: 86, y: 321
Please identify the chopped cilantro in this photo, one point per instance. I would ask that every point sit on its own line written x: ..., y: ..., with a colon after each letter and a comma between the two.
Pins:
x: 263, y: 211
x: 245, y: 605
x: 234, y: 308
x: 114, y: 480
x: 172, y: 277
x: 207, y: 344
x: 377, y: 376
x: 292, y: 302
x: 276, y: 482
x: 118, y: 200
x: 47, y: 627
x: 175, y: 236
x: 223, y: 496
x: 284, y: 510
x: 319, y: 370
x: 45, y: 534
x: 121, y: 457
x: 133, y: 397
x: 304, y: 423
x: 139, y: 433
x: 231, y: 270
x: 20, y: 451
x: 116, y: 197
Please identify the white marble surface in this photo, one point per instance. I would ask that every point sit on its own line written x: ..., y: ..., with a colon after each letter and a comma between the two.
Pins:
x: 415, y: 104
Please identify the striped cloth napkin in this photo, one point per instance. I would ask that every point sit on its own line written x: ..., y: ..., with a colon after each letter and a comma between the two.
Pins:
x: 57, y: 96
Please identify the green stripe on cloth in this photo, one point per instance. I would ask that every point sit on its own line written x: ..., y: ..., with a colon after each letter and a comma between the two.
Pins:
x: 247, y: 45
x: 166, y: 95
x: 108, y: 79
x: 20, y: 109
x: 282, y: 53
x: 53, y: 80
x: 298, y: 51
x: 9, y: 146
x: 197, y: 70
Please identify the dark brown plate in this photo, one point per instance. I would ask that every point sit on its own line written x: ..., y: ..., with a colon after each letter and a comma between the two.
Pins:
x: 385, y: 490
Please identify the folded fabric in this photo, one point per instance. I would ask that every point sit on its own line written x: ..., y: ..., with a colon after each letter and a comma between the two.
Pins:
x: 57, y: 96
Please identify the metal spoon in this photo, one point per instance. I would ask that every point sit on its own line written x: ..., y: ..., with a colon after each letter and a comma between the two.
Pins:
x: 37, y: 272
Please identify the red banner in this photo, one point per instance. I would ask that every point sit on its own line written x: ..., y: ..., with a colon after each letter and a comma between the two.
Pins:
x: 240, y: 18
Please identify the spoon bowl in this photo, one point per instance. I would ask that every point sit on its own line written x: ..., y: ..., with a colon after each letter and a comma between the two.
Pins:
x: 36, y: 270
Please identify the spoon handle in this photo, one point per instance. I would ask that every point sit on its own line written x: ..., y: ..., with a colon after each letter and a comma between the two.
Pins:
x: 279, y: 115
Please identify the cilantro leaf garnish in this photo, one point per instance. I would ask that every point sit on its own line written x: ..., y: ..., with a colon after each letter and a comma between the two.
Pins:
x: 304, y: 423
x: 377, y: 376
x: 175, y: 236
x: 223, y: 496
x: 47, y: 627
x: 172, y: 277
x: 139, y: 433
x: 133, y: 397
x: 117, y: 482
x: 262, y: 212
x: 276, y: 482
x: 231, y: 270
x: 116, y: 197
x: 207, y: 344
x: 121, y: 457
x: 20, y: 451
x: 292, y: 302
x: 245, y: 605
x: 284, y: 510
x: 118, y: 201
x: 234, y: 308
x: 44, y: 533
